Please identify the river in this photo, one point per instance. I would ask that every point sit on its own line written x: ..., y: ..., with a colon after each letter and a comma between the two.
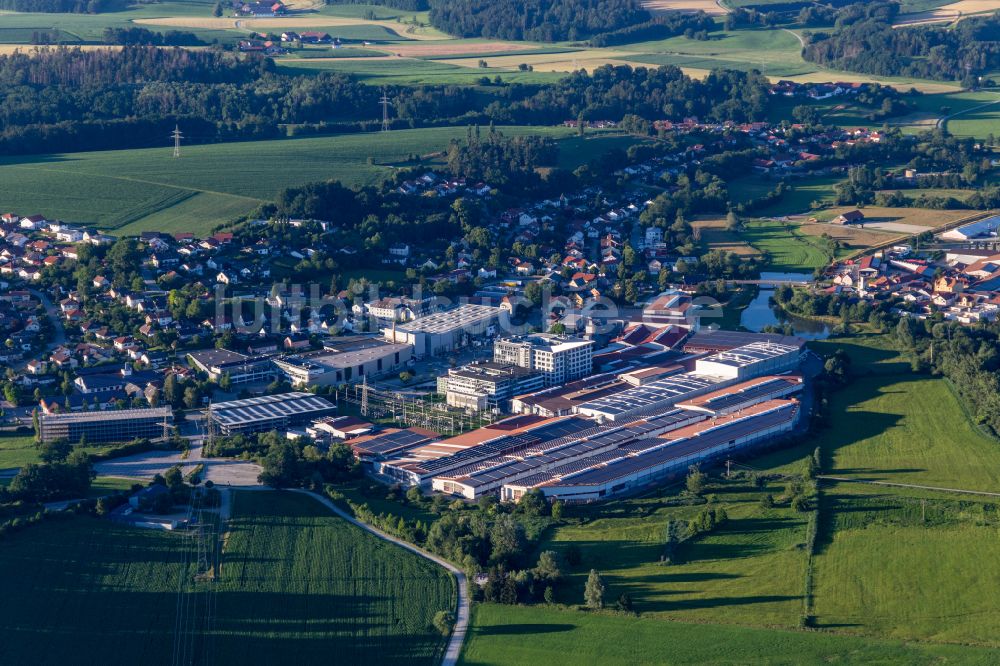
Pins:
x: 759, y: 313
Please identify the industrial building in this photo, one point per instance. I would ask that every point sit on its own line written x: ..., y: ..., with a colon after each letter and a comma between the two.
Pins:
x: 101, y: 427
x: 241, y: 368
x: 484, y: 385
x: 711, y: 373
x: 606, y: 434
x: 750, y: 360
x: 558, y: 358
x: 345, y: 360
x: 649, y: 460
x: 269, y: 412
x: 443, y: 332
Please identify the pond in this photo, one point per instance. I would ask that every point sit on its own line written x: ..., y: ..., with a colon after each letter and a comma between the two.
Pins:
x: 759, y: 313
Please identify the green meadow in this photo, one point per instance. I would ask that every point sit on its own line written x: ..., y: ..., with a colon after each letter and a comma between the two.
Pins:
x: 131, y: 190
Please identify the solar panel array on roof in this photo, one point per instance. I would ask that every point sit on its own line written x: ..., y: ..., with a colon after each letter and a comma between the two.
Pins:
x: 769, y: 387
x: 268, y: 408
x: 592, y: 446
x: 680, y: 449
x: 393, y: 442
x: 651, y: 394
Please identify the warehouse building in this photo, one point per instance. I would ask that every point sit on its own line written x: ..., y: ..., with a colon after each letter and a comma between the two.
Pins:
x: 634, y: 467
x: 485, y: 385
x: 752, y: 360
x: 269, y: 412
x: 443, y: 332
x: 107, y: 426
x: 711, y: 373
x: 558, y: 358
x: 344, y: 361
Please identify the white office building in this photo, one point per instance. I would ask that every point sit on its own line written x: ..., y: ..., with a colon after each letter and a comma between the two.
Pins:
x: 560, y: 359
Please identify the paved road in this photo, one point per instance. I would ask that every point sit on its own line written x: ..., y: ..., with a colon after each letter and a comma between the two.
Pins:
x: 843, y: 479
x: 944, y: 119
x: 55, y: 318
x: 454, y: 648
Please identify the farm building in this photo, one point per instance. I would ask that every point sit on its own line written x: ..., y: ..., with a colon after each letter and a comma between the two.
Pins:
x: 850, y: 217
x: 979, y: 229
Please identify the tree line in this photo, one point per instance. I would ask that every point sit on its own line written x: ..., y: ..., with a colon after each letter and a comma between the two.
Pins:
x: 63, y: 6
x: 962, y: 52
x: 106, y: 99
x: 535, y: 20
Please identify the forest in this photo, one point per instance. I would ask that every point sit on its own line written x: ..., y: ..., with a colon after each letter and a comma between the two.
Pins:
x: 97, y: 100
x: 962, y: 52
x: 535, y: 20
x: 63, y: 6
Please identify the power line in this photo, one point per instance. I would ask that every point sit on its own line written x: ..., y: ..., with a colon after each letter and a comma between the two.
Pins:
x: 176, y: 134
x: 384, y: 101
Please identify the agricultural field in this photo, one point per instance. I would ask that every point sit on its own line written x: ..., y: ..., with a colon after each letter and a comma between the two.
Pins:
x: 560, y: 636
x: 297, y: 584
x: 323, y: 587
x: 945, y: 12
x: 932, y: 587
x: 707, y: 6
x: 788, y: 248
x: 715, y: 236
x: 131, y: 190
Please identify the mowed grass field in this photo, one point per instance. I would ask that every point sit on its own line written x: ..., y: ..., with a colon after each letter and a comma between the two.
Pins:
x: 17, y: 450
x: 908, y: 429
x: 128, y: 191
x: 751, y: 571
x: 298, y: 585
x: 898, y: 566
x: 515, y: 635
x: 787, y: 248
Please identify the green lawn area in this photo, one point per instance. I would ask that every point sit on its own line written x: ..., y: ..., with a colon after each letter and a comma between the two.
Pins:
x: 502, y: 635
x: 297, y: 586
x: 909, y: 429
x: 787, y: 249
x: 907, y: 567
x: 136, y: 190
x: 798, y: 198
x: 575, y: 151
x: 751, y: 571
x: 772, y: 51
x: 17, y: 450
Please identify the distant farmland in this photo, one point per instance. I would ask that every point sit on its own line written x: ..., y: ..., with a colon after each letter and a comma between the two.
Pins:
x: 129, y: 191
x: 298, y: 585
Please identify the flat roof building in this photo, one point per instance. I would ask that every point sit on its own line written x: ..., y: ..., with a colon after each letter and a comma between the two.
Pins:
x: 486, y: 385
x: 268, y: 412
x: 750, y: 360
x: 634, y: 466
x: 343, y: 362
x: 443, y: 332
x: 120, y: 425
x: 241, y: 368
x: 559, y: 358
